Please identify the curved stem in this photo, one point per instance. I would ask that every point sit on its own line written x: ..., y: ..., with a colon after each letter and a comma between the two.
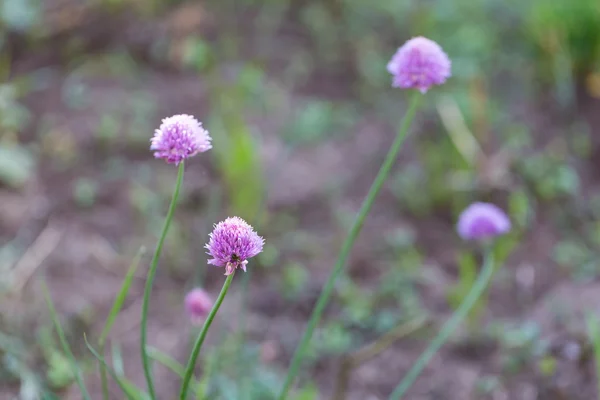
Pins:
x: 485, y: 276
x: 189, y: 369
x: 348, y: 243
x: 150, y: 280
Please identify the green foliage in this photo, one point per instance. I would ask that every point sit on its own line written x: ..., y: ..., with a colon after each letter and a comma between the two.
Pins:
x: 332, y: 339
x: 114, y: 311
x: 316, y: 121
x: 576, y: 258
x: 467, y: 274
x: 20, y: 15
x: 593, y: 328
x: 488, y: 384
x: 59, y: 364
x: 17, y: 165
x: 197, y: 54
x: 520, y: 344
x: 294, y: 280
x: 84, y: 192
x: 550, y: 177
x: 234, y: 145
x: 564, y: 28
x: 520, y: 208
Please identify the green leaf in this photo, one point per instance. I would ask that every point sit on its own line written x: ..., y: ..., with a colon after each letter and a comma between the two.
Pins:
x: 239, y: 164
x: 59, y: 373
x: 114, y: 311
x: 173, y: 365
x: 594, y: 334
x: 16, y: 165
x: 20, y: 15
x: 65, y: 344
x: 120, y: 299
x: 129, y: 389
x: 308, y: 392
x: 520, y: 208
x: 467, y: 274
x: 117, y: 357
x: 167, y: 361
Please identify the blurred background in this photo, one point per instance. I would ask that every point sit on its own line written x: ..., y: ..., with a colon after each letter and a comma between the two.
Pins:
x: 297, y: 98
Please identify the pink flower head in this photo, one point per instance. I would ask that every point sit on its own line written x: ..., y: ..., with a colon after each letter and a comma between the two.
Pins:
x: 420, y: 63
x: 179, y: 137
x: 482, y: 221
x: 198, y: 304
x: 232, y: 243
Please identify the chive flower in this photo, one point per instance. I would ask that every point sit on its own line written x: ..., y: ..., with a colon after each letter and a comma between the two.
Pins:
x: 232, y: 242
x: 179, y: 137
x: 419, y: 64
x: 482, y: 221
x: 197, y: 304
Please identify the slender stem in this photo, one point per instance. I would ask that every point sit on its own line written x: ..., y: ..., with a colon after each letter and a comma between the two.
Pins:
x: 150, y: 280
x: 484, y: 278
x: 104, y: 380
x: 348, y: 243
x: 189, y: 369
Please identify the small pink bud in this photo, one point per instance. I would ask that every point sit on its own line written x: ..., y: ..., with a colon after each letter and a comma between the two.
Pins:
x: 198, y: 304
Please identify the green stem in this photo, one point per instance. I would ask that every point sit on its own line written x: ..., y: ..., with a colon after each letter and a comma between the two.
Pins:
x: 104, y: 378
x: 150, y: 280
x: 348, y: 243
x: 484, y: 278
x: 189, y: 369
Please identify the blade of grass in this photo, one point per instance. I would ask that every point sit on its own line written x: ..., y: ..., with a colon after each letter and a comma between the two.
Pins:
x: 594, y: 333
x: 65, y: 345
x: 129, y: 389
x: 117, y: 358
x: 112, y: 315
x: 171, y: 364
x: 167, y: 361
x: 120, y: 299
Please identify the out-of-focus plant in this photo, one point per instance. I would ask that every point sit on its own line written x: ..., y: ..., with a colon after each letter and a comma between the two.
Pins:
x: 236, y: 147
x: 567, y: 36
x: 593, y: 327
x: 419, y: 64
x: 481, y: 222
x: 521, y: 344
x: 20, y: 15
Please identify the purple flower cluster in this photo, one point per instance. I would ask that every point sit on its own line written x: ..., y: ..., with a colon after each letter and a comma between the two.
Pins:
x: 232, y: 243
x: 482, y: 221
x: 179, y: 137
x: 419, y: 64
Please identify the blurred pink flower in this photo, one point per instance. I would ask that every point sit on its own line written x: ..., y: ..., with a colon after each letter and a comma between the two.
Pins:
x: 198, y: 304
x: 482, y: 221
x: 420, y: 63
